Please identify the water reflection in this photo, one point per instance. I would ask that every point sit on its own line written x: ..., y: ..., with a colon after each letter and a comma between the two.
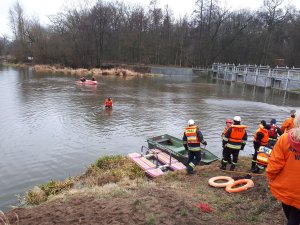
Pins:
x: 52, y: 128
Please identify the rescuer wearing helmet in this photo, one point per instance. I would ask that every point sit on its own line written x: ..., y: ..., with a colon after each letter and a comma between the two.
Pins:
x: 234, y: 140
x: 228, y: 124
x: 261, y: 138
x: 192, y: 138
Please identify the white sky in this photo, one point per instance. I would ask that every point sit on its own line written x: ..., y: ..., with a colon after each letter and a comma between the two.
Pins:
x: 44, y: 8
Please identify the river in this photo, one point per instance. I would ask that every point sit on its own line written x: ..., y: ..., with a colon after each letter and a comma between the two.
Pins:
x: 52, y: 128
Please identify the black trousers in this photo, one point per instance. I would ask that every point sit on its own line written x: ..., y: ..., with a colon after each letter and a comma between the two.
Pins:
x: 228, y: 152
x: 292, y: 214
x: 256, y: 147
x: 193, y: 157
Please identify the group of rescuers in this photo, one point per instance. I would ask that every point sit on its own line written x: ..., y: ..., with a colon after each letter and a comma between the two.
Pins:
x: 283, y: 167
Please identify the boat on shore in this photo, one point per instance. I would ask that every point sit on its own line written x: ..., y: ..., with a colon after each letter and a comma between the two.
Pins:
x: 174, y: 146
x: 87, y: 82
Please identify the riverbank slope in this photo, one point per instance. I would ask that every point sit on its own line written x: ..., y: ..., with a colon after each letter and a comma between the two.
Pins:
x: 114, y: 191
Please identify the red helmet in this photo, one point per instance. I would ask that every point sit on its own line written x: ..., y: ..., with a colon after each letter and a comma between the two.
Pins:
x: 228, y: 121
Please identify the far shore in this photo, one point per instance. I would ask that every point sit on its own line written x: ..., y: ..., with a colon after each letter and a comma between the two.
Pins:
x: 121, y: 71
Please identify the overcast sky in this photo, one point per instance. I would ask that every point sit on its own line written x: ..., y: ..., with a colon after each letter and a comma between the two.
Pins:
x: 44, y: 8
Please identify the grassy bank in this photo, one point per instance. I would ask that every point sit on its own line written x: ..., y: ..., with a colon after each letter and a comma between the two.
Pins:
x: 114, y: 190
x: 122, y: 70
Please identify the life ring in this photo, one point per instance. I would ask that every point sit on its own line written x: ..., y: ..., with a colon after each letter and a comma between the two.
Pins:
x: 212, y: 180
x: 248, y: 184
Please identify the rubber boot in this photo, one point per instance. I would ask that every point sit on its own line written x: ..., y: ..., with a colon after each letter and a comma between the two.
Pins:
x: 190, y: 168
x: 232, y: 167
x: 253, y: 166
x: 229, y: 161
x: 223, y: 165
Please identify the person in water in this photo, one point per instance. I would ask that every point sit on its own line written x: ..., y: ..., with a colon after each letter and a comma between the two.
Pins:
x: 283, y: 172
x: 192, y: 138
x: 82, y: 79
x: 108, y: 103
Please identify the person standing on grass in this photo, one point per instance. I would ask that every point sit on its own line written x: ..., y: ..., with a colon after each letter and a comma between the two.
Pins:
x: 274, y: 132
x: 289, y: 122
x: 192, y: 138
x: 283, y: 172
x: 261, y: 138
x: 233, y: 141
x: 228, y: 124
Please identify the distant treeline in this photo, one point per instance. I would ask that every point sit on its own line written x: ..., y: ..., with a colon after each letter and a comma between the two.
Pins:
x: 115, y: 32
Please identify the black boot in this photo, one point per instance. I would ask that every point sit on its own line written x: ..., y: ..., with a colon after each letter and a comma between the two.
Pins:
x: 223, y: 165
x: 232, y: 167
x: 253, y: 166
x: 190, y: 168
x: 229, y: 161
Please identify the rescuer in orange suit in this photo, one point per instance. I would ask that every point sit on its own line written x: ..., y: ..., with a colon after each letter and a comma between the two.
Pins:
x: 288, y: 123
x: 283, y: 172
x: 108, y: 103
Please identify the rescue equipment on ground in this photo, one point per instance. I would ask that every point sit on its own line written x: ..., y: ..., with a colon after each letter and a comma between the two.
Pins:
x: 231, y: 188
x: 212, y: 181
x: 263, y: 155
x: 155, y: 162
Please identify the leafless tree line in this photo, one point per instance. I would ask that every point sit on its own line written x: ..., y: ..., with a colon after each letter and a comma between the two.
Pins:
x: 113, y: 32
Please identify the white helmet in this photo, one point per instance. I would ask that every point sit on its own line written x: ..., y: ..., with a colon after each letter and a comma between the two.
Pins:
x: 191, y: 122
x: 237, y: 118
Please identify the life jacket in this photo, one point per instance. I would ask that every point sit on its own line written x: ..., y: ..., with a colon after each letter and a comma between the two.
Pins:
x: 237, y: 133
x: 265, y: 139
x: 263, y: 155
x: 235, y: 140
x: 191, y: 135
x: 272, y: 132
x: 108, y: 103
x: 224, y: 131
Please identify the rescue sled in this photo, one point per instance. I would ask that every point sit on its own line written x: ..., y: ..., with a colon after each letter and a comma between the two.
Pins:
x: 174, y: 146
x: 155, y: 161
x: 145, y: 164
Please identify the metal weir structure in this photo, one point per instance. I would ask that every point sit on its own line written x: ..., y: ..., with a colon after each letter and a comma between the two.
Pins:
x: 283, y: 78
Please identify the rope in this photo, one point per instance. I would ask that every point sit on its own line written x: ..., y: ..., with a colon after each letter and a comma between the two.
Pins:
x: 238, y: 172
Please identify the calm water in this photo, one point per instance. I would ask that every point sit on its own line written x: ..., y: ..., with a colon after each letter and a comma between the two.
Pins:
x: 52, y: 128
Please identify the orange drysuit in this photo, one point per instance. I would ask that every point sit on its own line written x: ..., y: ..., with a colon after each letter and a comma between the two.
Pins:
x: 287, y: 124
x: 283, y: 171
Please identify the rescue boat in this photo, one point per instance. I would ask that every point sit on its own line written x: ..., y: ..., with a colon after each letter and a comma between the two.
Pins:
x: 174, y: 146
x: 87, y: 82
